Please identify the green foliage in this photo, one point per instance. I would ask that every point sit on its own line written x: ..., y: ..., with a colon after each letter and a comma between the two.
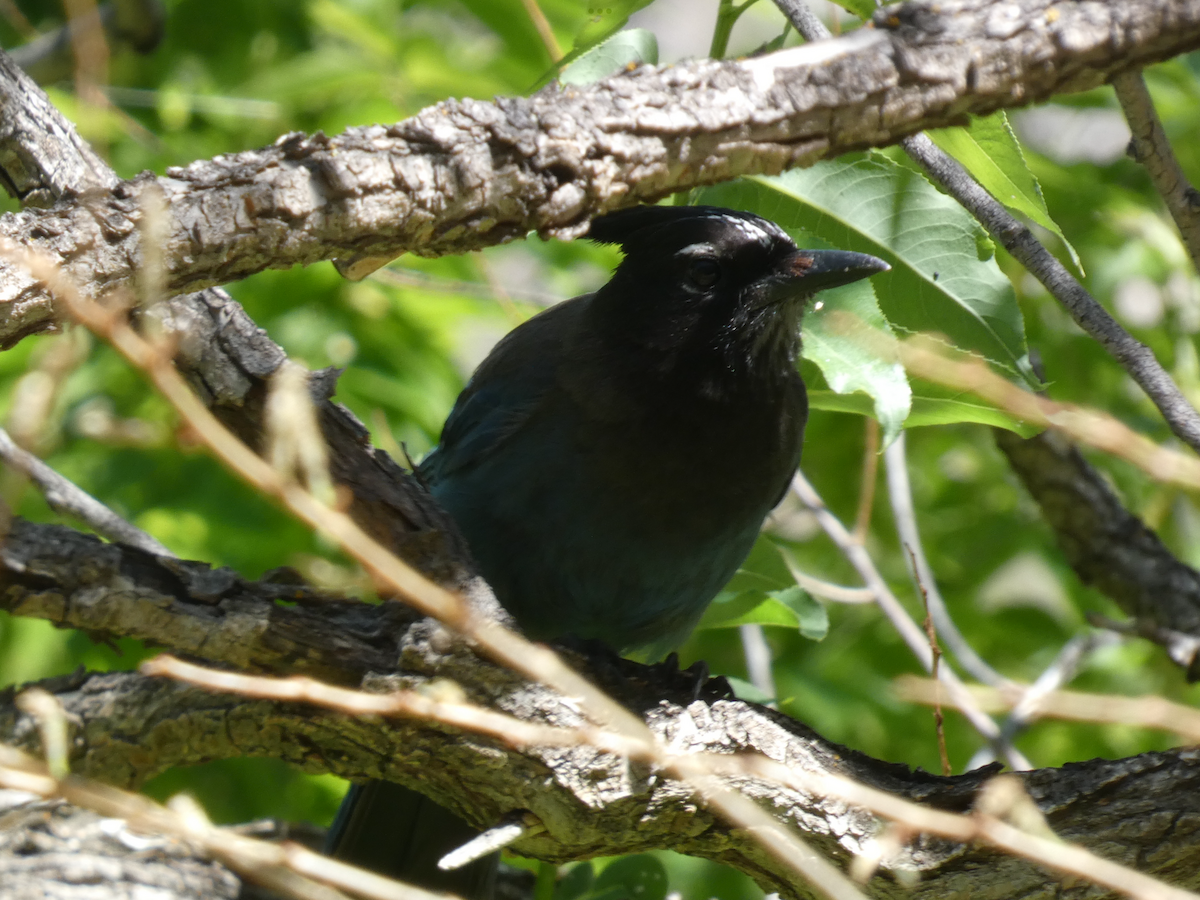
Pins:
x: 943, y: 279
x: 633, y: 47
x: 989, y: 150
x: 232, y: 75
x: 864, y: 9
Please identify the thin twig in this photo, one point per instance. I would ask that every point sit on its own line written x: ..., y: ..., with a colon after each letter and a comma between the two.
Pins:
x: 69, y: 499
x: 1133, y: 356
x: 545, y: 32
x: 534, y: 661
x: 803, y: 19
x: 905, y: 515
x: 927, y: 359
x: 1150, y: 147
x: 1144, y: 712
x: 399, y: 276
x: 939, y: 720
x: 838, y: 593
x: 1068, y: 661
x: 870, y: 471
x: 757, y: 653
x: 903, y: 622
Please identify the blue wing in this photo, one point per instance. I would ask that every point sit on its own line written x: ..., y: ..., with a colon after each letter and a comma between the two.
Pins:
x: 505, y: 392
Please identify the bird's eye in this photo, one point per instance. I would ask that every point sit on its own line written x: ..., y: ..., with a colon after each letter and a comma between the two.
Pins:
x: 704, y: 273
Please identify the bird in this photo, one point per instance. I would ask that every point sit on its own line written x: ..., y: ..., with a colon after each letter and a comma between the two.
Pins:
x: 611, y: 462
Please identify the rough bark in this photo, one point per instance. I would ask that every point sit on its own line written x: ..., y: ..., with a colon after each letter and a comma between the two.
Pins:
x: 126, y: 728
x: 466, y: 174
x: 52, y: 851
x: 1109, y: 547
x: 458, y: 176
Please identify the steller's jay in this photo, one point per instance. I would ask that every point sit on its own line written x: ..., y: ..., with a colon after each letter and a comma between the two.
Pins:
x: 612, y: 460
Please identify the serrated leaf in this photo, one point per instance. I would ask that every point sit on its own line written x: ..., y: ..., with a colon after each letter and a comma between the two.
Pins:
x: 604, y: 22
x: 635, y: 46
x: 938, y: 282
x: 990, y: 151
x: 925, y: 411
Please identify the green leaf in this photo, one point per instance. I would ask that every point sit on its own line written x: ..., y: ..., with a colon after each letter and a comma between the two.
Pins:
x: 989, y: 150
x: 811, y: 615
x: 832, y: 341
x: 848, y: 363
x: 925, y: 411
x: 789, y: 607
x: 575, y: 883
x: 938, y: 282
x: 634, y: 46
x: 864, y: 9
x: 640, y: 877
x: 602, y: 23
x: 607, y: 19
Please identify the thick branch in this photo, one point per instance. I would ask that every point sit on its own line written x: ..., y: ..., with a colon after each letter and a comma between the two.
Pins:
x: 128, y: 728
x: 225, y: 355
x: 77, y: 581
x: 466, y: 174
x: 1107, y: 546
x: 79, y: 851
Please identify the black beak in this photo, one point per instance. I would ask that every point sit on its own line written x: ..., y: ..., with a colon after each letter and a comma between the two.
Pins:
x: 807, y: 271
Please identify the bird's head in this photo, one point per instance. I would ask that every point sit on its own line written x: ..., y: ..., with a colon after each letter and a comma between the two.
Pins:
x: 700, y: 280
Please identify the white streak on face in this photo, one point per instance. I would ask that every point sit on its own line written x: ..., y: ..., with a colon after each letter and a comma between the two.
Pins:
x: 762, y: 232
x: 763, y: 68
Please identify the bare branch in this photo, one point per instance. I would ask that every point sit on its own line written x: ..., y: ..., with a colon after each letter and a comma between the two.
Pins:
x: 67, y: 498
x: 905, y: 515
x: 1143, y: 712
x: 1106, y: 545
x: 1150, y: 147
x: 466, y: 174
x: 912, y: 634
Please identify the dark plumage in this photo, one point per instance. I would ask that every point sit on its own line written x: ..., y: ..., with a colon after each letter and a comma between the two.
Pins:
x: 612, y: 460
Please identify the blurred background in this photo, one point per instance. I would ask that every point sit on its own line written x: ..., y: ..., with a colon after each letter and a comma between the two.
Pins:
x: 230, y: 75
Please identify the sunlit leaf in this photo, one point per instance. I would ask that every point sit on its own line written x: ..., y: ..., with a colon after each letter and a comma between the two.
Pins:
x: 785, y: 608
x: 848, y: 362
x: 989, y: 150
x: 633, y: 47
x: 925, y: 411
x: 944, y: 278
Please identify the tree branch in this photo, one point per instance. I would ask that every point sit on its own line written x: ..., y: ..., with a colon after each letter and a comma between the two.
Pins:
x: 1150, y: 147
x: 466, y: 174
x: 127, y: 727
x: 1109, y: 547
